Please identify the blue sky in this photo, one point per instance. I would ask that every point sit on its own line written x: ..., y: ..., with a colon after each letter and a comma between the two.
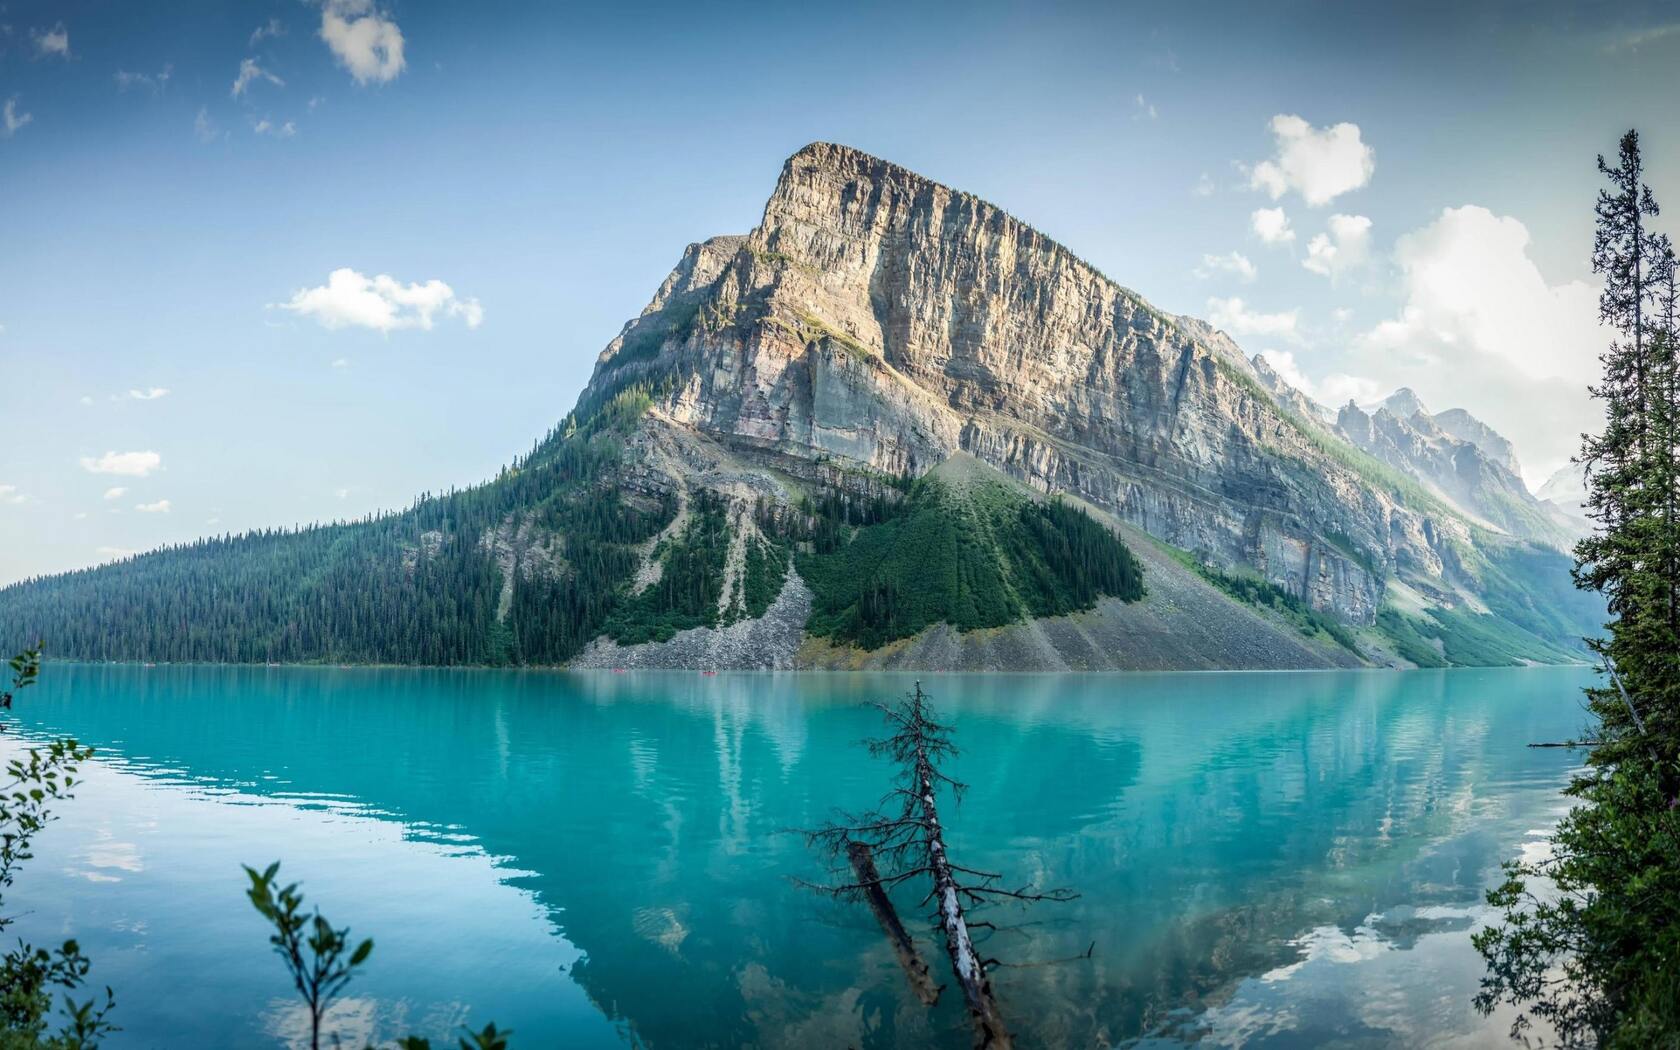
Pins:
x: 181, y: 181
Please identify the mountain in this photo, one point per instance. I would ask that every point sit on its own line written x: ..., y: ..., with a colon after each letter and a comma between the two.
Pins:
x: 1566, y: 490
x: 890, y: 426
x: 1459, y: 459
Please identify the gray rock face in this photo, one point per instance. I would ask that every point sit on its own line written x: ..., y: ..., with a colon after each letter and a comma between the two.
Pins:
x: 877, y: 319
x: 1458, y: 458
x: 1466, y: 427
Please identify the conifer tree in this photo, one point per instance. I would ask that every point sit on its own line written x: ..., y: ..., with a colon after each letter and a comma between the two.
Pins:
x: 1591, y: 951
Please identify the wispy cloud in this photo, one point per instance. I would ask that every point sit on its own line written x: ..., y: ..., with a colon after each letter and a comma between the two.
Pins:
x: 131, y: 464
x: 157, y: 507
x: 10, y: 494
x: 52, y: 43
x: 116, y: 492
x: 1235, y: 263
x: 13, y: 119
x: 205, y: 129
x: 284, y: 130
x: 1234, y: 316
x: 1143, y: 109
x: 1641, y: 37
x: 273, y: 28
x: 151, y: 394
x: 249, y: 73
x: 155, y: 83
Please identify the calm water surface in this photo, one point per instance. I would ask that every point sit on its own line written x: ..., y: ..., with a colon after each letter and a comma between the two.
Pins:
x: 1265, y: 860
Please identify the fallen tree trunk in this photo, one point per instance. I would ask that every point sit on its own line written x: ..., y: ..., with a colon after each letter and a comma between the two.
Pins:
x: 966, y: 964
x: 915, y: 970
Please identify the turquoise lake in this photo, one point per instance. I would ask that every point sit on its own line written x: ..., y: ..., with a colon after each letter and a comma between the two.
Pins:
x: 1264, y: 859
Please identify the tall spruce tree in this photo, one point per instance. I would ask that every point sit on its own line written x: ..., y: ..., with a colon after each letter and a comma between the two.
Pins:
x: 1590, y: 939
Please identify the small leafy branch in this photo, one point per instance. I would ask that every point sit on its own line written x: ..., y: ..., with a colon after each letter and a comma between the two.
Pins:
x: 330, y: 962
x: 28, y: 975
x: 321, y: 962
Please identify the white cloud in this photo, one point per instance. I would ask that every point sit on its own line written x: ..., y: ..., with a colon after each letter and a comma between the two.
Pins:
x: 341, y: 362
x: 85, y: 400
x: 279, y: 131
x: 1346, y: 246
x: 205, y: 128
x: 1204, y: 186
x: 250, y: 73
x: 274, y: 28
x: 159, y: 507
x: 1142, y: 108
x: 1284, y: 364
x: 151, y: 394
x: 364, y: 40
x: 11, y: 121
x: 10, y: 494
x: 129, y: 464
x: 54, y: 43
x: 1333, y: 390
x: 342, y: 493
x: 1482, y: 328
x: 381, y: 303
x: 115, y: 553
x: 1234, y: 316
x: 1271, y: 225
x: 1339, y: 388
x: 79, y: 515
x: 1231, y: 262
x: 114, y: 493
x: 1320, y: 164
x: 155, y: 84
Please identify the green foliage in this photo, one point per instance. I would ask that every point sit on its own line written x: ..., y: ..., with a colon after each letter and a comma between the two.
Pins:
x: 1412, y: 639
x: 487, y: 1038
x: 690, y: 582
x: 1252, y: 589
x: 320, y: 960
x: 29, y: 975
x: 981, y: 558
x: 766, y: 569
x: 415, y: 587
x: 1589, y: 937
x: 320, y: 973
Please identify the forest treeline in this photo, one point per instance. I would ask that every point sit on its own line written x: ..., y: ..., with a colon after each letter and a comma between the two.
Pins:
x: 885, y: 556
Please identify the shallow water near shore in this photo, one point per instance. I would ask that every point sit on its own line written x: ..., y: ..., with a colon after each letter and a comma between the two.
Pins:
x: 595, y: 859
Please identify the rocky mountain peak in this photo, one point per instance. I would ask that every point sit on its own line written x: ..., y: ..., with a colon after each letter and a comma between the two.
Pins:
x: 1404, y: 403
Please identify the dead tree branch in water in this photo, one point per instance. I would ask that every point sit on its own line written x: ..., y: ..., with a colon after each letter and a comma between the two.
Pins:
x: 906, y: 839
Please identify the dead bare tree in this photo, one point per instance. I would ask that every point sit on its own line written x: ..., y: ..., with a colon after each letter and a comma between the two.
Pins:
x: 904, y: 838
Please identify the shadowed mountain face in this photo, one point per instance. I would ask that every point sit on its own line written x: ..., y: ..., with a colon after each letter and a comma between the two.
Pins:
x: 774, y: 401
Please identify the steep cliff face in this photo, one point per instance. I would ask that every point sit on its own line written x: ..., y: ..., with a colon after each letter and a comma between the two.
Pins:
x: 881, y: 319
